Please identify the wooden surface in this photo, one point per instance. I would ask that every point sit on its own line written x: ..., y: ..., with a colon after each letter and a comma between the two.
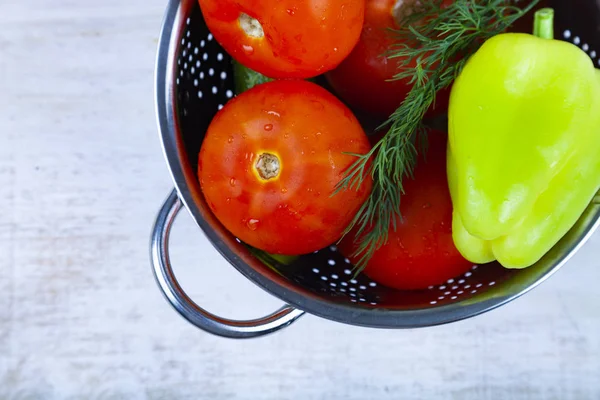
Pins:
x: 81, y: 178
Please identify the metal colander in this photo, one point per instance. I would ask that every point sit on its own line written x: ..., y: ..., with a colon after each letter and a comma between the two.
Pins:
x: 193, y: 81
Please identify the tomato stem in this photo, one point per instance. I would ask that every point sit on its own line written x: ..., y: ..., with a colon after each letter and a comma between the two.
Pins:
x: 543, y: 25
x: 404, y: 8
x: 251, y: 26
x: 268, y: 166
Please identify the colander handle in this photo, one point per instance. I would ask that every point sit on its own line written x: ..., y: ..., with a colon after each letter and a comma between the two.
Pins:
x: 184, y: 305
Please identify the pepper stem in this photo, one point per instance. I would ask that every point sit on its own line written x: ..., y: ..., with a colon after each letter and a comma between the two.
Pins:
x: 543, y: 25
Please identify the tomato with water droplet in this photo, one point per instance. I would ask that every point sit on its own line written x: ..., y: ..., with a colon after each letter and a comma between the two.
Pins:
x: 281, y: 197
x: 421, y: 252
x: 364, y: 78
x: 286, y: 38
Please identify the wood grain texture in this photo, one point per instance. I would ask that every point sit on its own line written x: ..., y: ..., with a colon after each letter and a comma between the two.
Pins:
x: 81, y: 179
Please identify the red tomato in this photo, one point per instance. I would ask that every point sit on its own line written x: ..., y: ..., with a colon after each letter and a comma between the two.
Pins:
x: 271, y: 160
x: 421, y: 252
x: 286, y: 38
x: 363, y: 78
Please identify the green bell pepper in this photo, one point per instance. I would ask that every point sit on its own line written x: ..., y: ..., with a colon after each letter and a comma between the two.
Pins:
x: 524, y: 145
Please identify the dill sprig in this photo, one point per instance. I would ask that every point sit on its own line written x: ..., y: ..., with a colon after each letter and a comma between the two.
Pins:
x: 438, y: 40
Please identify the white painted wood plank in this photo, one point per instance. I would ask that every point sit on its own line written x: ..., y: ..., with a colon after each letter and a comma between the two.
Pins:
x: 81, y: 178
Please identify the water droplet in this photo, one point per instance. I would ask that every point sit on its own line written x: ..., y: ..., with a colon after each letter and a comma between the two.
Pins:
x: 228, y: 200
x: 274, y: 113
x: 291, y: 12
x: 305, y: 137
x: 268, y: 127
x: 252, y: 224
x: 232, y: 181
x: 335, y: 49
x: 286, y: 135
x: 283, y: 190
x: 318, y: 105
x: 230, y: 140
x: 318, y: 134
x: 248, y: 49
